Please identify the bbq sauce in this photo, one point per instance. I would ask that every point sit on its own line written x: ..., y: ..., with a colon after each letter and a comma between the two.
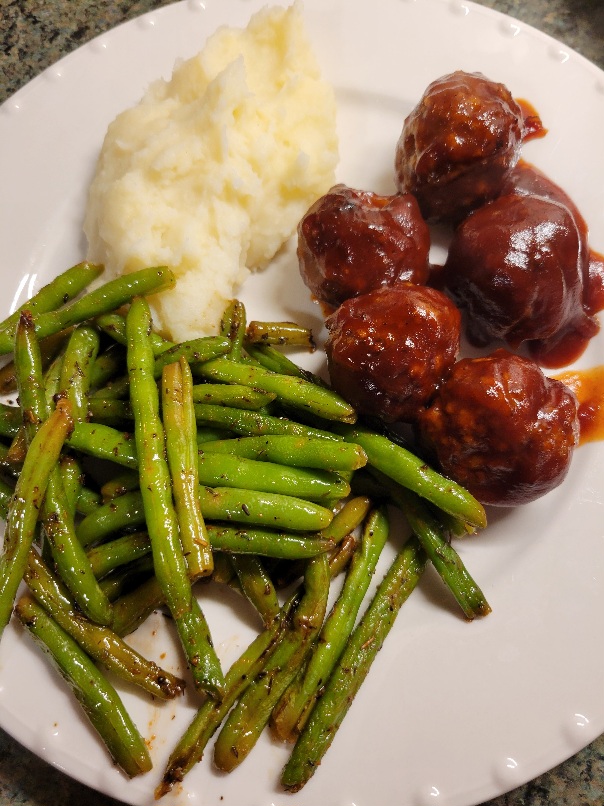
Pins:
x: 588, y: 386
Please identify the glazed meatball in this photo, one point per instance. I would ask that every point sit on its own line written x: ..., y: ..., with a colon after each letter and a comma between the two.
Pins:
x: 388, y: 350
x: 352, y: 241
x: 458, y: 145
x: 501, y: 428
x: 517, y: 267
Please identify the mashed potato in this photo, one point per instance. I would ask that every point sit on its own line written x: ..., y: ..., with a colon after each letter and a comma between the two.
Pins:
x: 211, y: 171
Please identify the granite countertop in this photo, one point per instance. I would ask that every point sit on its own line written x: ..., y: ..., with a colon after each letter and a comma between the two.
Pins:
x: 36, y: 33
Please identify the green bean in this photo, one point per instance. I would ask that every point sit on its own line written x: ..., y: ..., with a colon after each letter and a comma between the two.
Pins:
x: 117, y: 552
x: 443, y: 556
x: 413, y: 473
x: 232, y: 327
x: 118, y: 388
x: 125, y: 482
x: 292, y: 710
x: 134, y: 607
x: 10, y: 420
x: 80, y: 353
x: 190, y: 748
x: 341, y: 556
x: 104, y: 442
x: 293, y: 450
x: 162, y: 523
x: 105, y: 298
x: 22, y: 515
x: 181, y: 446
x: 126, y: 578
x: 256, y: 586
x: 270, y: 358
x: 50, y: 347
x: 57, y: 292
x: 194, y: 352
x: 225, y: 470
x: 114, y: 324
x: 253, y: 423
x: 250, y: 715
x: 266, y: 542
x: 282, y: 333
x: 95, y: 694
x: 88, y: 501
x: 108, y: 365
x: 56, y: 513
x: 110, y: 411
x: 353, y: 665
x: 295, y: 392
x: 97, y: 641
x: 254, y: 508
x: 235, y: 395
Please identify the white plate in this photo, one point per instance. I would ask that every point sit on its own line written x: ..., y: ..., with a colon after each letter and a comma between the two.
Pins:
x: 452, y: 713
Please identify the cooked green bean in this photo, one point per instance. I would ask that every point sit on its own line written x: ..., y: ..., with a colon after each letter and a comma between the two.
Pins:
x: 281, y: 333
x: 235, y: 395
x: 232, y: 326
x: 181, y: 448
x: 292, y: 710
x: 266, y: 542
x: 105, y: 298
x: 80, y: 354
x: 57, y: 292
x: 99, y: 642
x: 353, y: 666
x: 297, y: 451
x: 226, y: 470
x: 413, y: 473
x: 256, y: 586
x: 253, y: 423
x: 22, y: 516
x: 56, y: 514
x: 250, y: 715
x: 190, y: 748
x: 96, y: 695
x: 296, y: 392
x: 117, y: 552
x: 162, y: 524
x: 443, y: 556
x: 104, y: 442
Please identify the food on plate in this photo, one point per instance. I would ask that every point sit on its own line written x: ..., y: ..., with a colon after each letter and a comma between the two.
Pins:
x: 517, y: 267
x: 211, y: 171
x: 501, y: 428
x: 458, y: 145
x: 354, y: 241
x: 388, y: 350
x: 275, y: 491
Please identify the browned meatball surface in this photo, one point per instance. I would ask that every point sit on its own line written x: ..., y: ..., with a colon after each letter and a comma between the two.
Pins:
x: 388, y: 350
x: 501, y: 428
x: 353, y: 241
x: 517, y: 266
x: 458, y: 144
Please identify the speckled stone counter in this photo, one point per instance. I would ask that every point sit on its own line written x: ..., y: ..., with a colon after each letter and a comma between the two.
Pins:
x: 36, y: 33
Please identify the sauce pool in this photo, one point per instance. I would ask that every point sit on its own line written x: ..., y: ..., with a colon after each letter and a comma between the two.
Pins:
x: 588, y: 386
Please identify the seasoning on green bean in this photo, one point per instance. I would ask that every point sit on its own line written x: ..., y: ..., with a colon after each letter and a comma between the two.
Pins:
x: 181, y: 448
x: 162, y: 523
x: 190, y: 748
x: 250, y: 715
x: 60, y: 290
x: 297, y: 451
x: 253, y: 423
x: 99, y: 642
x: 292, y: 710
x: 257, y: 586
x: 96, y: 695
x: 80, y: 354
x: 22, y: 516
x: 236, y: 395
x: 287, y: 334
x: 105, y: 298
x: 353, y: 665
x: 296, y: 392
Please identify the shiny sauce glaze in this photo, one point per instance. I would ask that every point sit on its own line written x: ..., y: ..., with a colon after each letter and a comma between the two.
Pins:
x: 588, y: 386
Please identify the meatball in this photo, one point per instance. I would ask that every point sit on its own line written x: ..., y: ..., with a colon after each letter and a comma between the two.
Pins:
x: 501, y: 428
x: 517, y: 266
x: 388, y: 350
x: 458, y: 145
x: 352, y: 241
